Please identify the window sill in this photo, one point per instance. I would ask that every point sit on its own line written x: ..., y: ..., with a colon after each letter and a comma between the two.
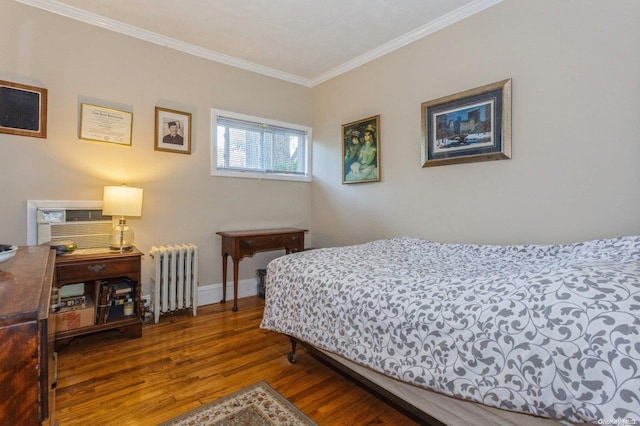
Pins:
x: 252, y: 175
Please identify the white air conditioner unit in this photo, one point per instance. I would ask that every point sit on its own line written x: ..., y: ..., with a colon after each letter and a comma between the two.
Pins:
x: 88, y: 228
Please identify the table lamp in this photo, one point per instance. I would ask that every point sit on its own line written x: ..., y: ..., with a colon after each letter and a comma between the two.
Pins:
x: 122, y: 201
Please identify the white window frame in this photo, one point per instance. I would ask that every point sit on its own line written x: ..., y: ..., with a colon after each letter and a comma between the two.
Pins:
x: 215, y: 171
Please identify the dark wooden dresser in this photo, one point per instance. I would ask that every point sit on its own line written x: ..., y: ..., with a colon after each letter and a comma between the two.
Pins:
x: 27, y: 357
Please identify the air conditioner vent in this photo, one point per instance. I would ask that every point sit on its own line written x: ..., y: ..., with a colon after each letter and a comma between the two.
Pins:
x: 88, y: 228
x: 85, y: 215
x: 92, y: 234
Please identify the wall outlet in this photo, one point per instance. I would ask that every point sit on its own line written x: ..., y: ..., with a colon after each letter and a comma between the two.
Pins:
x: 146, y: 301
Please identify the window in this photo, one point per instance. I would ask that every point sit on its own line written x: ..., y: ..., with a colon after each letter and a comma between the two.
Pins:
x: 245, y: 146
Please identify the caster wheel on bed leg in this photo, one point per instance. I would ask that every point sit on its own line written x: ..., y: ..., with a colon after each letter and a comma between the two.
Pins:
x: 292, y: 358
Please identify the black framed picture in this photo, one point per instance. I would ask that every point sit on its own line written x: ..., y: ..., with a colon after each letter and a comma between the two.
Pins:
x: 23, y: 110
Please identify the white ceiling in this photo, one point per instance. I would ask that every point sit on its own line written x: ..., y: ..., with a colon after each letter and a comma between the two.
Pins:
x: 302, y: 41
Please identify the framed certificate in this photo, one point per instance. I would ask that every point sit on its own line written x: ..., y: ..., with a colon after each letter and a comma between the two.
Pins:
x: 105, y: 124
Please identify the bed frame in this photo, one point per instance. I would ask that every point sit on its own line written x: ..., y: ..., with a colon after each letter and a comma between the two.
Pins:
x: 459, y: 411
x: 397, y: 402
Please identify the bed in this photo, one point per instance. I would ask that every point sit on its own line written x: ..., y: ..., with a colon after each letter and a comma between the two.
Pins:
x: 520, y: 334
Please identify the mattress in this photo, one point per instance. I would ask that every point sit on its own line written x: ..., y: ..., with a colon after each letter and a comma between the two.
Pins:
x: 551, y: 331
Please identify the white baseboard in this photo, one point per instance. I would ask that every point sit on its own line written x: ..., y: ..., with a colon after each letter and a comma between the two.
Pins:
x: 212, y: 293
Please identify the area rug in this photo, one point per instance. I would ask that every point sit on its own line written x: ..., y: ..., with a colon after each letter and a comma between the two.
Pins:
x: 255, y: 405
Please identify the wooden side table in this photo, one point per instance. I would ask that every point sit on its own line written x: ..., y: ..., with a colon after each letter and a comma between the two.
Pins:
x: 239, y: 244
x: 90, y: 269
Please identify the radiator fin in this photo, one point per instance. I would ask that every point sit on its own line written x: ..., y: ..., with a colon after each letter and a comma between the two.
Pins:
x: 174, y: 279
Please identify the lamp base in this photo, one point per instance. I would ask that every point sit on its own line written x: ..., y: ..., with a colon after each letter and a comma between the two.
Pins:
x: 121, y: 237
x: 112, y: 248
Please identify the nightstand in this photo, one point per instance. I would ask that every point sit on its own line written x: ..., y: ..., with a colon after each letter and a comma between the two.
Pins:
x: 92, y: 268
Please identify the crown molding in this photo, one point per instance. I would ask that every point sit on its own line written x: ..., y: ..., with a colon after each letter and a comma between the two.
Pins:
x: 132, y: 31
x: 129, y: 30
x: 421, y: 32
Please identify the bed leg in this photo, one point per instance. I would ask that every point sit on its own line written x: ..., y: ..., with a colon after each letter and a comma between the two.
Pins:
x: 292, y: 357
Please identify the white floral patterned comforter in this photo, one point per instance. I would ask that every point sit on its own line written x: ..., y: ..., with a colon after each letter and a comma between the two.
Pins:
x: 547, y: 330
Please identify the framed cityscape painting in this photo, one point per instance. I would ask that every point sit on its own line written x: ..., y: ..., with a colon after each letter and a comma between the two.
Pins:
x: 471, y: 126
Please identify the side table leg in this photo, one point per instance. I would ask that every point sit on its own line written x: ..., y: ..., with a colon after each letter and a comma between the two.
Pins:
x: 236, y: 264
x: 224, y: 277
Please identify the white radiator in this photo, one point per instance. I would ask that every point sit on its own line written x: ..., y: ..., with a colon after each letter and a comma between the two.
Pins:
x: 174, y: 279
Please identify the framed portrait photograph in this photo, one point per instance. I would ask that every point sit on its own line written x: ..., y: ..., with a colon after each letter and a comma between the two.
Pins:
x: 23, y: 110
x: 361, y: 151
x: 103, y: 124
x: 173, y: 131
x: 471, y: 126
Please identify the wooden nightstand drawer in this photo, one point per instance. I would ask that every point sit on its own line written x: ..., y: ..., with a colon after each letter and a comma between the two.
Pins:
x: 269, y: 242
x: 97, y: 269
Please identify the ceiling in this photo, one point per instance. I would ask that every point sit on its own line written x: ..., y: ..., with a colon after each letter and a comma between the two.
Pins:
x: 302, y: 41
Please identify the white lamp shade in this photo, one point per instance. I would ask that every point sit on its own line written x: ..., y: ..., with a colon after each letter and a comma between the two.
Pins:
x: 122, y: 201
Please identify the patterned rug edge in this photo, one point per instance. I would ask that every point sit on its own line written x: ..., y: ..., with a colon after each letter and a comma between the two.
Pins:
x: 297, y: 416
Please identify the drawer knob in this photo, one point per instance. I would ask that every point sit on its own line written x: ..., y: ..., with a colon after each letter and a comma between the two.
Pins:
x: 96, y: 268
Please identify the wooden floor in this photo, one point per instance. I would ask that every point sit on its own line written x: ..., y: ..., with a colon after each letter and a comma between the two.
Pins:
x: 183, y: 362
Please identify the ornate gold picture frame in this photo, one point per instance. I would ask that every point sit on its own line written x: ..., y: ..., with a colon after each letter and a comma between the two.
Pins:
x: 471, y: 126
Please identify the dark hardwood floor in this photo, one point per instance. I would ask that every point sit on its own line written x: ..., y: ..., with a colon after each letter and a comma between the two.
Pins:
x: 183, y: 362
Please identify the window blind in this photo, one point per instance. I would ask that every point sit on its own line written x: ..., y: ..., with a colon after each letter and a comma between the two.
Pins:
x: 259, y: 147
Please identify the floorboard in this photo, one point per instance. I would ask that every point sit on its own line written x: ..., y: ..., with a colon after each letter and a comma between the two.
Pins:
x: 184, y: 362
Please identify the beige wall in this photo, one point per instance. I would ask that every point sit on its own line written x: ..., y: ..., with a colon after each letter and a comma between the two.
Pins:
x: 78, y: 63
x: 574, y: 173
x: 575, y: 170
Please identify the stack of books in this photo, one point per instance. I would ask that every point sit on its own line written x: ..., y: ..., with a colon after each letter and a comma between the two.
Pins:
x: 72, y: 296
x: 113, y: 294
x: 121, y: 293
x: 73, y: 302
